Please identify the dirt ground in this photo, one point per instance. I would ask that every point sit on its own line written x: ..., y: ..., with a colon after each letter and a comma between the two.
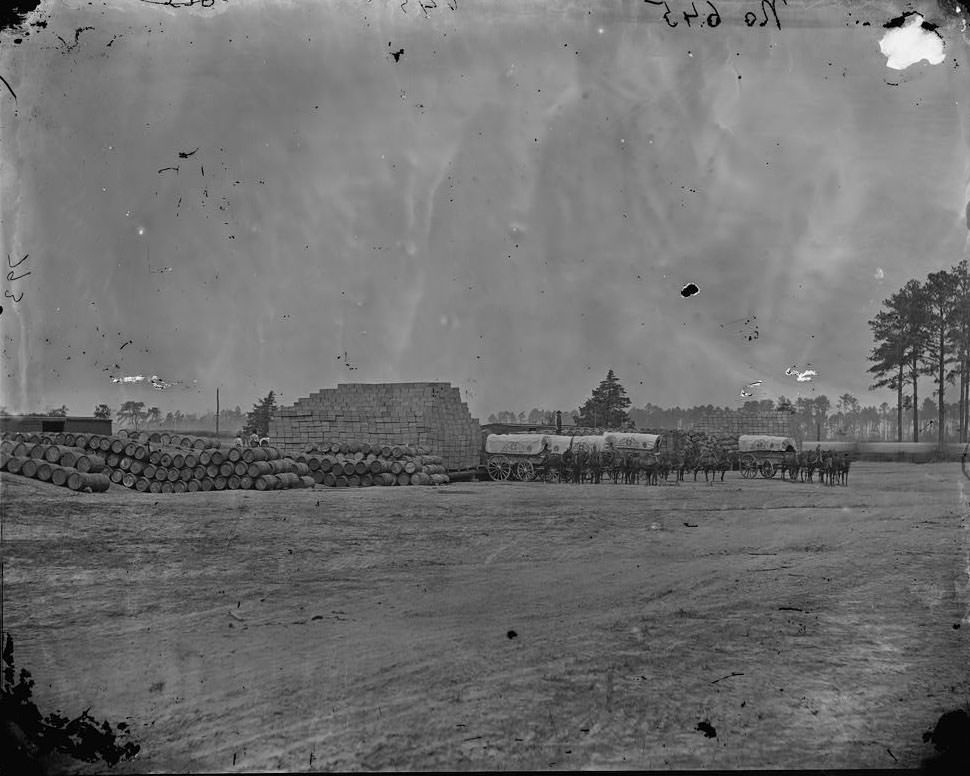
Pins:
x: 501, y: 625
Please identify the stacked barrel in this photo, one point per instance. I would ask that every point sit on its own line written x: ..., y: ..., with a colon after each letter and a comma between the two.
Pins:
x: 362, y: 464
x: 69, y: 467
x: 146, y: 464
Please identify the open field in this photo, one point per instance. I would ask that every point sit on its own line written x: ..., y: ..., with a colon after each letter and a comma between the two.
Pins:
x: 373, y: 628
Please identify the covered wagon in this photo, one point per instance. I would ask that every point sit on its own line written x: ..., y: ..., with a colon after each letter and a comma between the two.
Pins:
x: 521, y: 456
x: 762, y: 454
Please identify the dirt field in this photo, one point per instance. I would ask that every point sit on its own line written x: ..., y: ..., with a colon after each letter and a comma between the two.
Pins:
x: 500, y: 626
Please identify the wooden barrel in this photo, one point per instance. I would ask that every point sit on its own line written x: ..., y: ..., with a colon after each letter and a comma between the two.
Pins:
x: 168, y: 487
x: 208, y: 483
x: 179, y: 487
x: 220, y: 482
x: 410, y: 467
x: 317, y: 476
x: 193, y: 486
x: 205, y: 457
x: 69, y: 440
x: 165, y: 439
x: 140, y: 453
x: 149, y: 471
x: 359, y: 468
x: 240, y: 468
x: 44, y: 471
x: 29, y: 468
x: 341, y: 482
x: 155, y: 457
x: 265, y: 482
x: 53, y: 453
x: 217, y: 457
x: 154, y: 486
x: 259, y: 469
x: 301, y: 469
x: 186, y: 474
x: 38, y: 451
x: 366, y: 480
x: 129, y: 480
x: 191, y: 460
x: 234, y: 454
x: 155, y: 437
x: 89, y: 464
x: 330, y: 480
x: 308, y: 482
x: 21, y: 449
x: 112, y: 460
x: 15, y: 464
x: 225, y: 469
x: 165, y: 459
x: 246, y: 482
x: 173, y: 475
x: 117, y: 476
x: 81, y: 481
x: 130, y: 449
x: 396, y: 467
x: 233, y: 482
x: 117, y: 446
x: 313, y: 463
x: 142, y: 484
x: 198, y: 472
x: 178, y: 460
x: 375, y: 467
x: 161, y: 474
x: 353, y: 481
x: 404, y: 478
x: 137, y: 467
x: 104, y: 444
x: 59, y: 475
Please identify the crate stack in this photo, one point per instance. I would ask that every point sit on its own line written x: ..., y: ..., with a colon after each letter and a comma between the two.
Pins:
x: 134, y: 462
x: 362, y: 464
x: 428, y: 415
x: 772, y: 423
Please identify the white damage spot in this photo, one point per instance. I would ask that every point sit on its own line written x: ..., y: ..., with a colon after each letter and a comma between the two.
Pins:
x: 746, y: 391
x: 879, y: 274
x: 800, y: 375
x: 911, y: 43
x: 157, y: 382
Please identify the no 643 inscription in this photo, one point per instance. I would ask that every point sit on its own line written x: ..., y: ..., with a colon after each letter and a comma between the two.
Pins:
x: 765, y: 14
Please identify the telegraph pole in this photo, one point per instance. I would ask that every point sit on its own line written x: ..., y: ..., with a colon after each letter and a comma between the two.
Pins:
x: 217, y: 412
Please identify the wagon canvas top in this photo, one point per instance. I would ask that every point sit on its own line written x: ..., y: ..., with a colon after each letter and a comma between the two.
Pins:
x: 634, y: 441
x: 514, y: 444
x: 590, y: 443
x: 754, y: 442
x: 557, y: 443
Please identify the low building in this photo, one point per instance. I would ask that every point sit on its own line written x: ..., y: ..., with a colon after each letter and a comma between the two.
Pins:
x: 54, y: 424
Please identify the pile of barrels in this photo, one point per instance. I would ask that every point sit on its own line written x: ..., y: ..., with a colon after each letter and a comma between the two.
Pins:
x: 704, y: 442
x: 363, y: 464
x: 58, y: 464
x: 146, y: 464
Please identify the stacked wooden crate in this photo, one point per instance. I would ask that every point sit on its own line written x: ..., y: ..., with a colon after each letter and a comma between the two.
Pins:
x: 430, y: 415
x: 772, y: 423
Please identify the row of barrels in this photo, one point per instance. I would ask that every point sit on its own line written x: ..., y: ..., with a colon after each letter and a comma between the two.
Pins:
x: 45, y: 471
x: 171, y: 470
x: 362, y: 464
x: 172, y: 438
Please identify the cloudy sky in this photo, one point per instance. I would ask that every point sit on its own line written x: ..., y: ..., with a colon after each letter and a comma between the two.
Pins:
x: 508, y: 197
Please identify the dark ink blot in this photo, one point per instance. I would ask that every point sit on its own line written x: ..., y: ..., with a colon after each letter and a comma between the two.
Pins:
x: 187, y: 154
x: 167, y: 169
x: 899, y: 21
x: 707, y: 729
x: 397, y: 55
x: 13, y: 15
x: 512, y: 634
x: 689, y: 290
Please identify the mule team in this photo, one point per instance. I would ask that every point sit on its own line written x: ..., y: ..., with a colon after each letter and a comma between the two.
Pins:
x: 632, y: 467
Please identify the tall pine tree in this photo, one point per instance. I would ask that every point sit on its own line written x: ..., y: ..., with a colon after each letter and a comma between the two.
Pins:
x: 257, y: 420
x: 607, y: 406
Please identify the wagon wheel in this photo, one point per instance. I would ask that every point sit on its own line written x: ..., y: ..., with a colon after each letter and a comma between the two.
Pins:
x: 748, y: 466
x: 525, y: 471
x: 550, y: 473
x: 767, y: 469
x: 498, y: 467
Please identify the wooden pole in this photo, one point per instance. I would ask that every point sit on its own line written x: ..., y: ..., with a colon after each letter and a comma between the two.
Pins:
x: 217, y: 412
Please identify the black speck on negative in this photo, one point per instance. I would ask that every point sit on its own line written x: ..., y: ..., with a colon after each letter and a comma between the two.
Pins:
x: 396, y: 54
x: 707, y: 729
x: 689, y: 290
x: 956, y: 625
x: 512, y: 634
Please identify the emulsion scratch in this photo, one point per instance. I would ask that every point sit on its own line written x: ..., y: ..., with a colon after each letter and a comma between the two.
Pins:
x: 12, y: 92
x: 746, y: 391
x: 799, y: 375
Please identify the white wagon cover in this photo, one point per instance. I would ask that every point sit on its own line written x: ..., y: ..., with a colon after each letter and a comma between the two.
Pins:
x: 514, y: 444
x: 558, y: 444
x: 633, y: 441
x: 589, y: 443
x: 750, y: 443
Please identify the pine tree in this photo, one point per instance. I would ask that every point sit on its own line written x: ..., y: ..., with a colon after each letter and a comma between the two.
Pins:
x: 258, y: 419
x: 607, y: 406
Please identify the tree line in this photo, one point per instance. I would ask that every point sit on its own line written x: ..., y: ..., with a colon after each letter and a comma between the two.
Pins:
x: 923, y: 330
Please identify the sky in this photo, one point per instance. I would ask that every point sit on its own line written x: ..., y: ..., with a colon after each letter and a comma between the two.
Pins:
x: 507, y: 196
